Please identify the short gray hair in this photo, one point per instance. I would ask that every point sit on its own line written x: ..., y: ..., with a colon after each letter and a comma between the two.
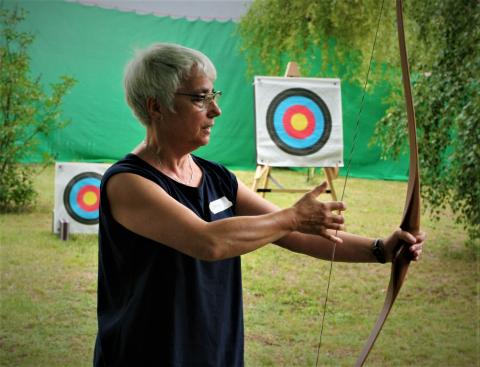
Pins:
x: 157, y: 72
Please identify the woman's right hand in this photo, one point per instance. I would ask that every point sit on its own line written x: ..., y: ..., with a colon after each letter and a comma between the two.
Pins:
x: 316, y: 217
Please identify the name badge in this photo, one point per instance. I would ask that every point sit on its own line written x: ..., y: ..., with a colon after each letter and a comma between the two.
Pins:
x: 219, y: 205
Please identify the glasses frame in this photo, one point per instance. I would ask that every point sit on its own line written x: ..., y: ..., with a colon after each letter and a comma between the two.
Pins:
x: 205, y: 98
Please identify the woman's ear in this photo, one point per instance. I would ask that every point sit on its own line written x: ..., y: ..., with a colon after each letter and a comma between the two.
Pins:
x: 153, y: 108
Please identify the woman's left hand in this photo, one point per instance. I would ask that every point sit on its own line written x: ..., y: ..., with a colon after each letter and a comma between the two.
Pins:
x: 416, y: 242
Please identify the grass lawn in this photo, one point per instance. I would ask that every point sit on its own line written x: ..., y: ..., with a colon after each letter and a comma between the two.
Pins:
x: 48, y: 292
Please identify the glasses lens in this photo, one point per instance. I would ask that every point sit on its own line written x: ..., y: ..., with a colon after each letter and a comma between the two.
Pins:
x: 209, y: 98
x: 216, y: 96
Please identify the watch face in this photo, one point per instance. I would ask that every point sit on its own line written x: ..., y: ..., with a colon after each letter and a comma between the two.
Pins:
x: 379, y: 251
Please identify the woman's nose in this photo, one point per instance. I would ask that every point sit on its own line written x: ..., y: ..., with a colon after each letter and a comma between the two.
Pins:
x: 214, y: 110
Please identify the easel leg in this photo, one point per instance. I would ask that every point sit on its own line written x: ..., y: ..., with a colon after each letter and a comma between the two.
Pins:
x: 261, y: 178
x: 256, y: 178
x: 331, y: 174
x: 266, y: 177
x: 310, y: 174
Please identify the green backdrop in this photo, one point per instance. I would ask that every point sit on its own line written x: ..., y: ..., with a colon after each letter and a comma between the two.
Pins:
x: 94, y: 44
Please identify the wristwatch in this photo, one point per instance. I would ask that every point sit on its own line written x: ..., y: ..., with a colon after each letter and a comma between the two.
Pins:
x: 378, y: 249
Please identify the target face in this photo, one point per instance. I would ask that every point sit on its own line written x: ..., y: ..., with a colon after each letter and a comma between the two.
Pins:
x: 82, y: 197
x: 298, y: 121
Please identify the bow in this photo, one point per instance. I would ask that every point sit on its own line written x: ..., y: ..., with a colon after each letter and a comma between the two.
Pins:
x: 411, y: 213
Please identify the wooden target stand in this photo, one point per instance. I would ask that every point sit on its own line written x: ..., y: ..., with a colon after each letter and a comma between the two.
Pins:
x: 263, y: 173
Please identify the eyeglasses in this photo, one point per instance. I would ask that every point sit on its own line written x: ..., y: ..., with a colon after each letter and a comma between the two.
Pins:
x: 203, y: 100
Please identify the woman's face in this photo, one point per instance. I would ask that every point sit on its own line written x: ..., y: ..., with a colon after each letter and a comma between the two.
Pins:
x: 191, y: 124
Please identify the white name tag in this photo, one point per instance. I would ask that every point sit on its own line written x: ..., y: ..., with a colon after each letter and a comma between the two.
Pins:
x: 219, y: 205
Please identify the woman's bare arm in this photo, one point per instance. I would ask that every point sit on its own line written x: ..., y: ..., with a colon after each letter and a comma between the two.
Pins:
x: 349, y: 247
x: 145, y: 208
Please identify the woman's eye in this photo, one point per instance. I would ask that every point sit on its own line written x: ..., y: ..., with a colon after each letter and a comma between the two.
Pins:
x: 198, y: 98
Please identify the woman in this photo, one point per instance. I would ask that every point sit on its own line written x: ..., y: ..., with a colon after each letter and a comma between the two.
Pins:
x: 173, y: 227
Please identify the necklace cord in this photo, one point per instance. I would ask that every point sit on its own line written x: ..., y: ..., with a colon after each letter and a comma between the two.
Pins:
x: 178, y: 178
x: 347, y: 175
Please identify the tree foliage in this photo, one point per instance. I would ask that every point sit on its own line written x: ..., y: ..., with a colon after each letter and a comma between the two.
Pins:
x: 447, y: 103
x: 319, y: 35
x: 27, y: 112
x: 443, y: 38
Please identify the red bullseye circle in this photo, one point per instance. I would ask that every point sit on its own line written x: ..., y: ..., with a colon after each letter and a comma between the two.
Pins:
x: 85, y: 196
x: 288, y: 123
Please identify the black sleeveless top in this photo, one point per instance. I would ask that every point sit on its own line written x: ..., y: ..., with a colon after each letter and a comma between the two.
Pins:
x: 156, y: 305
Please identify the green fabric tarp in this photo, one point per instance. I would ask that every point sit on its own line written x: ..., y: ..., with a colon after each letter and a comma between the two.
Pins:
x: 94, y: 44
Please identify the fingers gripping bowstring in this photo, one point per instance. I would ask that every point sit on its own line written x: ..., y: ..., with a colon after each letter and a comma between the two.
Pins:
x: 347, y: 174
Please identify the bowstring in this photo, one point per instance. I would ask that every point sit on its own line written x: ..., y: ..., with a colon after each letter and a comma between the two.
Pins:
x: 347, y: 175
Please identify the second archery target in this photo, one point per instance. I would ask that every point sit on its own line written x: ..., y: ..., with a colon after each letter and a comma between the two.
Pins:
x: 77, y: 196
x: 298, y: 122
x: 82, y: 197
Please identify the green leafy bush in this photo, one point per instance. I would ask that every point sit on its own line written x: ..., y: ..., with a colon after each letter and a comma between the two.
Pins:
x: 27, y: 112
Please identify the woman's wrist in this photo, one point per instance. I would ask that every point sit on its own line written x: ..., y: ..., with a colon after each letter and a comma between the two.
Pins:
x: 378, y: 250
x: 287, y: 219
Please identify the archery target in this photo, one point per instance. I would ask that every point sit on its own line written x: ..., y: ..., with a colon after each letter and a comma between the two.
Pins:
x: 82, y: 197
x: 298, y: 122
x: 77, y: 196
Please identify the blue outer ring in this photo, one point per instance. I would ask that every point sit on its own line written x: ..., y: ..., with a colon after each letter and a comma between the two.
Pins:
x: 291, y: 140
x: 77, y: 186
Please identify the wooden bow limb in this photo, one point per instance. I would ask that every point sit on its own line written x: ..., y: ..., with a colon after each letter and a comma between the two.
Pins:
x: 411, y: 214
